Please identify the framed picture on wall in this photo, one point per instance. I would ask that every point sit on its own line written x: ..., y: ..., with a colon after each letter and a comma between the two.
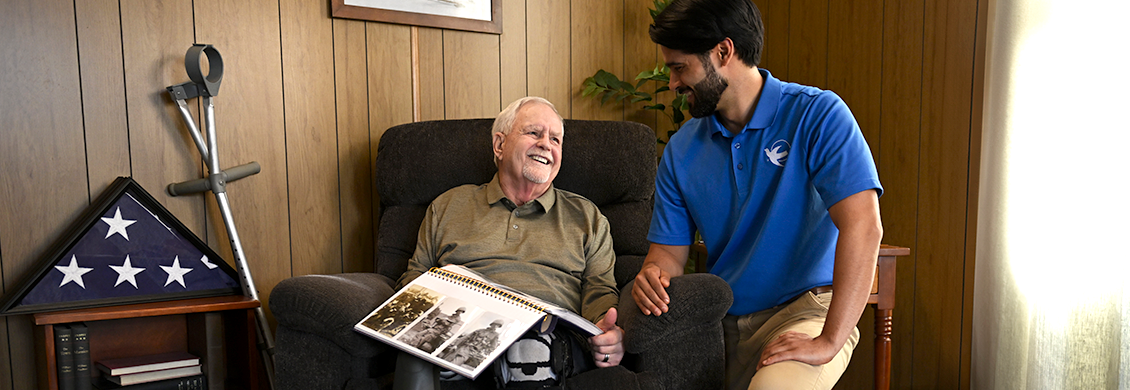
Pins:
x: 469, y: 15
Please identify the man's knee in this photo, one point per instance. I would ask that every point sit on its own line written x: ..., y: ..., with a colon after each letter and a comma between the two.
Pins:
x: 793, y: 375
x: 415, y: 373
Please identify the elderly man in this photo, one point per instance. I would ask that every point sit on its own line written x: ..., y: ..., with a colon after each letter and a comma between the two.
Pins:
x: 522, y: 232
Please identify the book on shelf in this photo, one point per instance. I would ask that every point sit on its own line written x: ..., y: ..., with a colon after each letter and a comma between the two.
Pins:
x: 460, y: 320
x: 136, y: 364
x: 64, y: 357
x: 151, y: 376
x: 194, y: 382
x: 82, y: 356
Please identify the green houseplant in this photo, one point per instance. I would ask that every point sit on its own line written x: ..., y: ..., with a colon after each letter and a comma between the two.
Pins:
x: 607, y: 87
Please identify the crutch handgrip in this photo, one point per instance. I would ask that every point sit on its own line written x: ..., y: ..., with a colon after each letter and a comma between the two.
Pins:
x: 205, y: 184
x: 241, y: 171
x: 187, y: 187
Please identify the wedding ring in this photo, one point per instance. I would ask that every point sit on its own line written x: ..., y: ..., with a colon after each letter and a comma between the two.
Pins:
x: 605, y: 359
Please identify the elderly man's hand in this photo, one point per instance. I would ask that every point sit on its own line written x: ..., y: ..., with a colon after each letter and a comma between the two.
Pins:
x: 608, y: 347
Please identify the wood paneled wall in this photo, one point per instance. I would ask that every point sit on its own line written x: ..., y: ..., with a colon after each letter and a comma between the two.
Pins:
x: 911, y: 71
x: 308, y: 96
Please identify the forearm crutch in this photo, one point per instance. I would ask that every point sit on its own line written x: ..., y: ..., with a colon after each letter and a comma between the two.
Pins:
x: 206, y: 88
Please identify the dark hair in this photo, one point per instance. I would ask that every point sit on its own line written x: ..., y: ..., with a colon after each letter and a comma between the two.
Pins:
x: 696, y: 26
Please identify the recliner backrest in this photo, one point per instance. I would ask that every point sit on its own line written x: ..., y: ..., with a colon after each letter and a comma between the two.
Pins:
x: 612, y: 163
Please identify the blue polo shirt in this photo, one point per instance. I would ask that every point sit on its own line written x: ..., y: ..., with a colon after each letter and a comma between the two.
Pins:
x: 760, y: 198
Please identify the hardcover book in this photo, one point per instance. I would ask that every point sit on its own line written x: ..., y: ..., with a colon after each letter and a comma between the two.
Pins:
x: 64, y: 357
x: 136, y: 364
x: 195, y: 382
x: 81, y: 353
x: 151, y: 376
x: 459, y: 320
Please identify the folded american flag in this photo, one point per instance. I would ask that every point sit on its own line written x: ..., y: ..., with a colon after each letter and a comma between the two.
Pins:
x: 133, y: 251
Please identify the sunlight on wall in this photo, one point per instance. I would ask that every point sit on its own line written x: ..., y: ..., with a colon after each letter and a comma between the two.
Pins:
x: 1068, y: 140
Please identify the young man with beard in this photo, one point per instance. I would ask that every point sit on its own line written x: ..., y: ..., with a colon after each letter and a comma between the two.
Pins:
x: 521, y: 231
x: 781, y: 185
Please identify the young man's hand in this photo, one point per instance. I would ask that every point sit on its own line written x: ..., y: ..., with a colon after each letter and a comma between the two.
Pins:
x: 800, y: 347
x: 650, y: 289
x: 662, y: 263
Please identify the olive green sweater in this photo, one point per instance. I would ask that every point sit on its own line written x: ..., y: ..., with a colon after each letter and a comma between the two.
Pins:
x: 556, y: 248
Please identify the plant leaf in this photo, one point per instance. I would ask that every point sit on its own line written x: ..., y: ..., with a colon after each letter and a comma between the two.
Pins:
x: 654, y: 75
x: 606, y: 79
x: 589, y: 90
x: 680, y: 101
x: 659, y: 6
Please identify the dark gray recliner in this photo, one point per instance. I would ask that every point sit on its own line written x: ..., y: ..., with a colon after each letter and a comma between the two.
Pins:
x: 611, y: 163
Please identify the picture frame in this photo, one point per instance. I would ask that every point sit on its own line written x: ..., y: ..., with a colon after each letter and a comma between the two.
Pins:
x: 466, y: 15
x: 125, y: 248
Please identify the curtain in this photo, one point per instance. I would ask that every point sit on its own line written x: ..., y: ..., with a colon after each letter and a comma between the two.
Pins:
x: 1051, y: 296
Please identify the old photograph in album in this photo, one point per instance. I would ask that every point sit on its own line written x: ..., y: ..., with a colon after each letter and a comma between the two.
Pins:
x: 451, y: 318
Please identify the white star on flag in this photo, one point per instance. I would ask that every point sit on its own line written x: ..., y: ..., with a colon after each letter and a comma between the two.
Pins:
x: 73, y: 273
x: 204, y: 259
x: 117, y: 224
x: 176, y: 272
x: 126, y: 273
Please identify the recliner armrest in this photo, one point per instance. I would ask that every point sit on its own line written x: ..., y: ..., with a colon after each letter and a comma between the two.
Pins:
x: 696, y: 299
x: 329, y: 305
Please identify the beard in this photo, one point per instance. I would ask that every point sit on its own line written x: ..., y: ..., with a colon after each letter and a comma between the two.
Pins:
x: 535, y: 174
x: 707, y: 93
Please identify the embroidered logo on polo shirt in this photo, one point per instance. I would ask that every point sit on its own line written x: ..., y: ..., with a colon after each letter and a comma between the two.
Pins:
x: 778, y: 152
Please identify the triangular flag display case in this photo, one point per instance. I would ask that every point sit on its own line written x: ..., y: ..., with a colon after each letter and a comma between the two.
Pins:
x: 126, y: 248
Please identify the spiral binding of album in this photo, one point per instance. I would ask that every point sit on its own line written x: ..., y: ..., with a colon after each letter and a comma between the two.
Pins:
x: 485, y: 288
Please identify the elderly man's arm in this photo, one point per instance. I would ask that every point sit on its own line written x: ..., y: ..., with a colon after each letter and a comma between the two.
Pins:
x: 599, y: 297
x: 424, y: 258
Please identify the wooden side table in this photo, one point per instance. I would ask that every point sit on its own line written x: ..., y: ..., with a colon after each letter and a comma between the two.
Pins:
x: 158, y: 327
x: 883, y: 298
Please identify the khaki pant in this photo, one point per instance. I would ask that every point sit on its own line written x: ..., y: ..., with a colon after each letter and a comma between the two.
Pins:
x: 747, y: 335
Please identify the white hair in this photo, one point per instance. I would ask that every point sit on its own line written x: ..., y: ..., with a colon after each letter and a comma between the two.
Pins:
x: 505, y: 119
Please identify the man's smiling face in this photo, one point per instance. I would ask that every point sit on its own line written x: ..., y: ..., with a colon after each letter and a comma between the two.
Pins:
x: 533, y: 146
x: 697, y: 77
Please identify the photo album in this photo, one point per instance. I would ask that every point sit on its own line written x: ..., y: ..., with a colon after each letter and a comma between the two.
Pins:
x: 459, y: 320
